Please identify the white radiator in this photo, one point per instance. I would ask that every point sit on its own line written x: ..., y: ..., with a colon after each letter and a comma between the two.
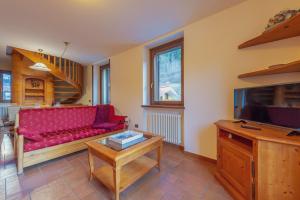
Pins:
x: 166, y: 124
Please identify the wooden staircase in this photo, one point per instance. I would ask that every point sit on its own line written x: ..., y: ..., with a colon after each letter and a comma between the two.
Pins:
x: 67, y: 75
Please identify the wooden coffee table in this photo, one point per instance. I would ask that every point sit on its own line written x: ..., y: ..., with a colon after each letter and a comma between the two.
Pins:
x: 125, y: 166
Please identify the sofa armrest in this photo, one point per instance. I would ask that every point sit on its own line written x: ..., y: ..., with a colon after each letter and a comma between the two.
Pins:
x: 20, y: 153
x: 119, y: 119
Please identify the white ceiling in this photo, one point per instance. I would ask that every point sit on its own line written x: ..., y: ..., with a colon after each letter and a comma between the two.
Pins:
x: 96, y: 28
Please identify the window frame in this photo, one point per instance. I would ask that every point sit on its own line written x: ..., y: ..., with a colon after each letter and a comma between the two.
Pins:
x: 102, y: 68
x: 1, y: 86
x: 153, y: 52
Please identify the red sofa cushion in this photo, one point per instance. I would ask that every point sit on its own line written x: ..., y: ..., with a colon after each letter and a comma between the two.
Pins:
x: 30, y: 135
x: 47, y: 120
x: 60, y: 137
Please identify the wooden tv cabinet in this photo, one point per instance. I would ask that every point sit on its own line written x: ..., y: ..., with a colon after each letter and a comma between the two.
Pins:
x: 258, y: 164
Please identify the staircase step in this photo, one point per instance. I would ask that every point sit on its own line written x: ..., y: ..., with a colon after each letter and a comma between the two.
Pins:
x: 60, y: 92
x: 63, y: 86
x: 66, y: 95
x: 61, y: 99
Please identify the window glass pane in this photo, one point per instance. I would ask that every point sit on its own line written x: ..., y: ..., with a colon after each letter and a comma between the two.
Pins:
x: 6, y: 83
x: 167, y: 72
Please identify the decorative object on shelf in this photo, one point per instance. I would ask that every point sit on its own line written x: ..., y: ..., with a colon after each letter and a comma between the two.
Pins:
x: 34, y: 92
x: 288, y: 28
x: 35, y: 83
x: 281, y: 17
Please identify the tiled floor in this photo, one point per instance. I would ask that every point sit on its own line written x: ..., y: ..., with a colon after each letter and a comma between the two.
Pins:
x: 182, y: 178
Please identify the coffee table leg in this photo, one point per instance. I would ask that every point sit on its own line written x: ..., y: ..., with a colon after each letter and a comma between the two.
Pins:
x: 117, y: 180
x: 91, y: 163
x: 159, y: 152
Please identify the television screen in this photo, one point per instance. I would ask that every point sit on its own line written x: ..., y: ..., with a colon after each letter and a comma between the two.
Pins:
x: 277, y: 105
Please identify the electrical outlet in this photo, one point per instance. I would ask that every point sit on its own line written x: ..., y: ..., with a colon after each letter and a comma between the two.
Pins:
x: 136, y: 126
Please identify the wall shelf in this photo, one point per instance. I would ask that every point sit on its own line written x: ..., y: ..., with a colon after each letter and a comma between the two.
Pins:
x: 278, y: 69
x: 34, y: 90
x: 34, y: 95
x: 287, y: 29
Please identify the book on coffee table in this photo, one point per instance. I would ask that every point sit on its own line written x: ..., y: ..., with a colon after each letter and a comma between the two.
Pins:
x: 118, y: 146
x: 125, y: 137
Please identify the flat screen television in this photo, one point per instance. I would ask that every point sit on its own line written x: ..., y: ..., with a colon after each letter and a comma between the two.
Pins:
x: 277, y: 105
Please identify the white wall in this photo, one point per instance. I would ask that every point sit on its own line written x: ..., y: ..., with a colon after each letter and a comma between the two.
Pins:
x: 212, y: 64
x: 127, y: 84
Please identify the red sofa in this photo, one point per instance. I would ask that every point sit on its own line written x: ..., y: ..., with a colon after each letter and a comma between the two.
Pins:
x: 50, y: 127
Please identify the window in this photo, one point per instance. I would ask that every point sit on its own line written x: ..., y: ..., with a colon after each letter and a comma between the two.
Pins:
x: 5, y: 86
x: 105, y: 84
x: 166, y: 85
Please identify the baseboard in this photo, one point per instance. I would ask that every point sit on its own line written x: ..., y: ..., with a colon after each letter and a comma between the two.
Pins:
x: 214, y: 161
x: 175, y: 145
x: 181, y: 148
x: 200, y: 157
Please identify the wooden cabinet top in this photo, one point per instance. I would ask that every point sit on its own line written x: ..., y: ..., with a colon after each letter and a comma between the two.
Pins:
x: 267, y: 132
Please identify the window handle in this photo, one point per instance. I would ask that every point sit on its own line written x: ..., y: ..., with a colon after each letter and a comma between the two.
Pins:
x: 151, y: 85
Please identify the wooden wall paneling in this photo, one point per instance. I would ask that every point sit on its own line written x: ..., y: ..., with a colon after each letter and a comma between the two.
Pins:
x: 21, y: 71
x: 16, y: 78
